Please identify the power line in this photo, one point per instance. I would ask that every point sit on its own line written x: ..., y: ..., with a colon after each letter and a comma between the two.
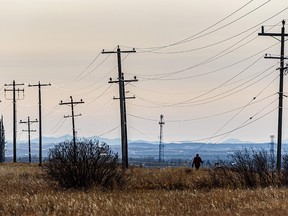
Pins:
x: 102, y: 78
x: 258, y: 24
x: 194, y: 102
x: 199, y: 33
x: 209, y: 60
x: 145, y: 134
x: 209, y: 45
x: 95, y: 82
x: 244, y: 123
x: 58, y: 125
x: 222, y: 95
x: 85, y: 68
x: 237, y: 128
x: 99, y: 96
x: 107, y: 132
x: 202, y: 117
x: 95, y: 67
x: 221, y: 27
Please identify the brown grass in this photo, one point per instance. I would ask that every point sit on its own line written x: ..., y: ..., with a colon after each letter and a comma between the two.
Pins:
x: 23, y: 191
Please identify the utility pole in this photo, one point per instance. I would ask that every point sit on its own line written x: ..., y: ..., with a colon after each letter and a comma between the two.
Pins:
x: 39, y: 85
x: 121, y: 81
x: 161, y: 145
x: 72, y: 103
x: 14, y: 90
x: 282, y: 36
x: 29, y: 122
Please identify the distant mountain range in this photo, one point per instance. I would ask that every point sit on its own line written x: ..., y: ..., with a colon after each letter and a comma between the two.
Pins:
x: 55, y: 140
x: 232, y: 140
x: 117, y: 141
x: 141, y: 149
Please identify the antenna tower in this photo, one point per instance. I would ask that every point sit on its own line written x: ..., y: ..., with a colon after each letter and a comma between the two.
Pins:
x: 161, y: 145
x: 271, y: 149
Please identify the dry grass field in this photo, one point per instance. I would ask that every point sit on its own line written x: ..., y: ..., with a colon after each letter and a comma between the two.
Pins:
x: 24, y: 191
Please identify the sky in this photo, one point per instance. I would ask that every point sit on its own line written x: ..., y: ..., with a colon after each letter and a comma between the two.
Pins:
x: 199, y: 63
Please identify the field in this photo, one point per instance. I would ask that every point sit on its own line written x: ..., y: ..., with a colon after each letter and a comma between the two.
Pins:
x: 24, y: 191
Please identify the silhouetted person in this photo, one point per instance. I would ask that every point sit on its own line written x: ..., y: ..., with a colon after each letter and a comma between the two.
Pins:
x: 197, y: 161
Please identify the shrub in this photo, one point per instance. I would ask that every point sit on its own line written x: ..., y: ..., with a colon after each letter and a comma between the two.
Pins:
x: 284, y: 172
x: 253, y: 167
x: 83, y: 165
x: 249, y: 169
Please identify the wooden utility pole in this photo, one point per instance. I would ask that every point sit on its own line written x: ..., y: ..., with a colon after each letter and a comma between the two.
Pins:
x: 282, y: 36
x: 121, y: 81
x: 39, y: 85
x: 72, y: 103
x: 29, y: 122
x: 14, y: 90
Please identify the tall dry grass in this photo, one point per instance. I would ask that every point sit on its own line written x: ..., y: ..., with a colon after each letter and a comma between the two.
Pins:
x: 24, y: 191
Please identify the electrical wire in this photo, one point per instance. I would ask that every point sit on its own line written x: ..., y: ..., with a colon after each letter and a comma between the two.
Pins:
x: 212, y: 44
x: 214, y: 97
x: 109, y: 131
x: 259, y: 24
x: 102, y: 94
x: 244, y: 123
x: 75, y: 79
x: 237, y: 128
x: 147, y: 135
x: 225, y: 135
x: 221, y: 27
x: 106, y: 75
x: 60, y: 124
x: 209, y: 60
x: 222, y: 96
x: 212, y: 59
x: 197, y: 34
x: 109, y: 104
x: 222, y: 84
x: 52, y: 110
x: 95, y: 67
x: 203, y: 117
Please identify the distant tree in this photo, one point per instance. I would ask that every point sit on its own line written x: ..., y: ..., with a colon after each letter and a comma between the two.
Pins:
x: 84, y: 165
x: 2, y: 141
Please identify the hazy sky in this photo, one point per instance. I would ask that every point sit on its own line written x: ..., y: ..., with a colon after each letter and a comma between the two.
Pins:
x: 199, y: 63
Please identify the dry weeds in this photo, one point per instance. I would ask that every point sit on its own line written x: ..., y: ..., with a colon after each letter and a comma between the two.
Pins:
x: 23, y: 191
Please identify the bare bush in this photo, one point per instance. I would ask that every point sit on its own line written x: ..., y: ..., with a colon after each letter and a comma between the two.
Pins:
x: 253, y: 167
x: 283, y: 178
x: 249, y: 169
x: 83, y: 165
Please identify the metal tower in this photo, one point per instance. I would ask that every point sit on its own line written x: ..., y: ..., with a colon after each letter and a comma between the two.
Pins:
x: 271, y: 149
x: 161, y: 145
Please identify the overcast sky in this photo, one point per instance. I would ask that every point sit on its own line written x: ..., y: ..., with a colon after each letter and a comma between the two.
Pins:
x: 199, y: 63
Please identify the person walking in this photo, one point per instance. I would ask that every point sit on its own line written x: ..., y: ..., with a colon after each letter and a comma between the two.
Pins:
x: 197, y: 162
